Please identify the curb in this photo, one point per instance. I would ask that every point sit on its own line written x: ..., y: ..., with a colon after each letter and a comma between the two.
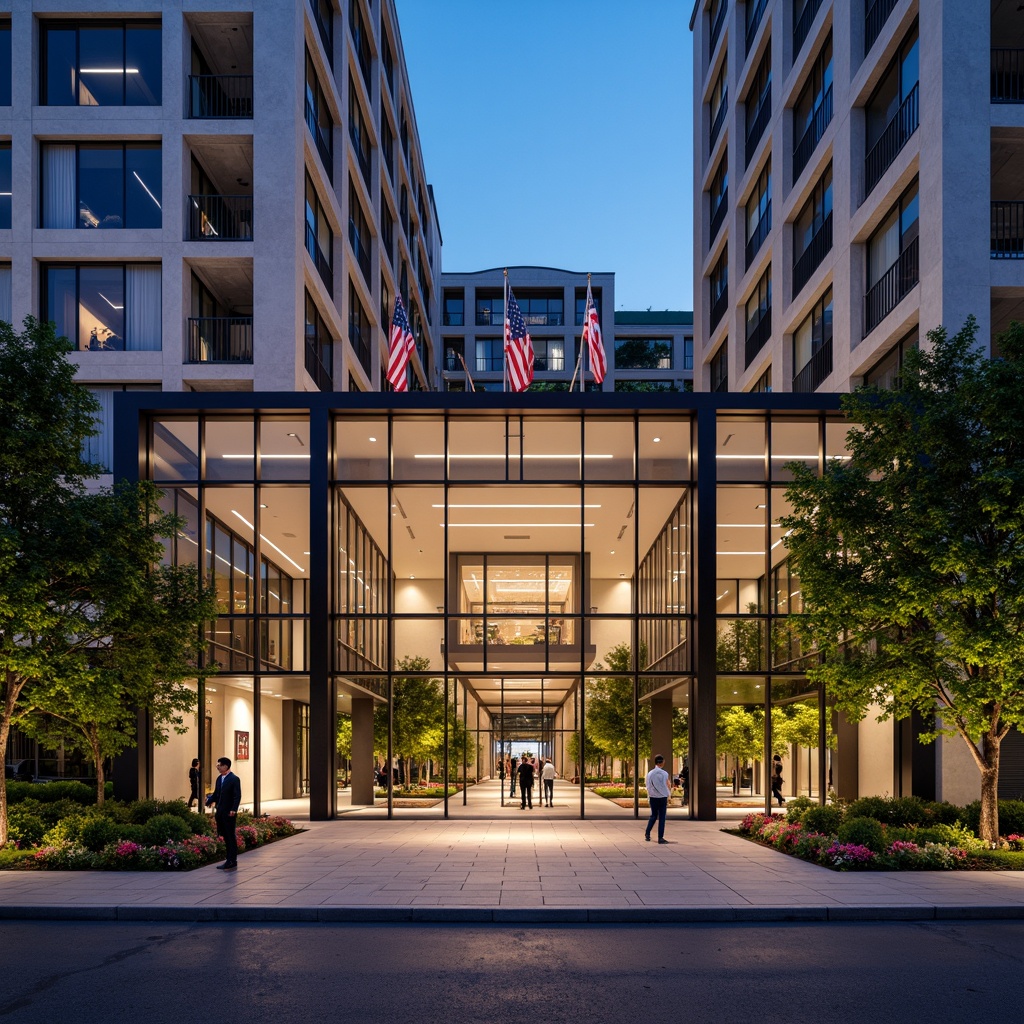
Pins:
x: 510, y: 915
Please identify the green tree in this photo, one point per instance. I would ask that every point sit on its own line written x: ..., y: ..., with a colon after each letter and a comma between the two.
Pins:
x: 590, y: 755
x: 740, y: 645
x: 740, y: 732
x: 910, y: 551
x: 90, y: 627
x: 641, y: 354
x: 609, y: 719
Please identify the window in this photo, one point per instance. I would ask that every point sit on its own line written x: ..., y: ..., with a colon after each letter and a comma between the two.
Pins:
x: 319, y: 236
x: 759, y: 316
x: 892, y: 114
x: 719, y: 367
x: 6, y: 298
x: 719, y: 196
x: 105, y: 306
x: 490, y: 309
x: 886, y: 372
x: 759, y: 213
x: 812, y: 346
x: 759, y: 103
x: 6, y: 185
x: 359, y: 39
x: 541, y: 311
x: 358, y: 133
x: 643, y: 353
x: 99, y: 449
x: 403, y: 211
x: 387, y: 147
x: 490, y: 354
x: 764, y: 382
x: 386, y: 309
x: 454, y: 307
x: 803, y: 17
x: 319, y: 346
x: 687, y: 353
x: 548, y: 353
x: 323, y: 15
x: 403, y: 132
x: 5, y: 63
x: 716, y: 19
x: 892, y: 259
x: 359, y: 332
x: 813, y: 111
x: 581, y: 303
x: 359, y: 233
x: 102, y: 185
x: 386, y: 59
x: 718, y: 104
x: 753, y: 14
x: 812, y: 231
x: 387, y: 228
x: 318, y: 117
x: 718, y: 281
x: 100, y: 64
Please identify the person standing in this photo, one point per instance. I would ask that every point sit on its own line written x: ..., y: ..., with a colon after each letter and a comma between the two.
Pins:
x: 227, y: 795
x: 525, y: 784
x: 513, y: 769
x: 777, y: 779
x: 193, y: 782
x: 657, y: 783
x: 548, y: 775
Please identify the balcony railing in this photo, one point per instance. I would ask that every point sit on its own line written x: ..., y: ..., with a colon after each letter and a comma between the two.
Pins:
x: 323, y: 264
x: 361, y: 346
x: 220, y: 96
x: 803, y: 26
x: 718, y: 307
x: 1007, y: 230
x: 755, y: 12
x: 758, y: 337
x: 810, y: 259
x: 903, y: 124
x: 324, y: 25
x: 219, y: 339
x: 220, y: 218
x: 322, y: 140
x: 716, y: 28
x: 1007, y: 76
x: 821, y: 119
x: 718, y: 217
x: 818, y: 367
x: 716, y: 125
x: 874, y: 21
x: 316, y: 369
x: 885, y: 294
x: 759, y: 123
x: 760, y: 233
x: 453, y: 319
x: 361, y: 248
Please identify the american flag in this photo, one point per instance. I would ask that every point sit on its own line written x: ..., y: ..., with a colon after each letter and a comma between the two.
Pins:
x: 518, y: 347
x: 400, y: 348
x: 592, y: 337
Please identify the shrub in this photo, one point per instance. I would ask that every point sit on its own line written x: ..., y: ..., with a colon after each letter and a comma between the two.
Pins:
x: 797, y: 807
x: 862, y: 831
x: 957, y: 835
x: 66, y: 832
x: 25, y: 828
x: 166, y: 828
x: 140, y: 811
x: 849, y: 855
x: 876, y: 807
x: 97, y: 831
x: 1011, y: 816
x: 824, y: 819
x: 48, y: 792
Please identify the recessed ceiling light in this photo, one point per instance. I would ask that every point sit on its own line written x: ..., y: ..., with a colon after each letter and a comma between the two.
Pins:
x: 412, y: 577
x: 656, y: 439
x: 373, y: 439
x: 264, y: 506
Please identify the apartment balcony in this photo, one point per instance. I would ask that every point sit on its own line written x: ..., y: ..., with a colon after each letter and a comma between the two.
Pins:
x: 216, y: 218
x: 887, y: 292
x: 322, y: 139
x: 810, y: 259
x: 818, y: 367
x: 316, y: 368
x: 716, y: 124
x: 718, y: 217
x: 875, y: 17
x: 219, y: 339
x: 213, y: 97
x: 320, y: 260
x: 758, y: 336
x: 718, y: 307
x: 716, y: 28
x: 802, y: 27
x: 323, y: 18
x: 759, y: 234
x: 808, y: 142
x: 893, y: 138
x: 755, y: 12
x: 1007, y: 77
x: 758, y: 124
x: 1007, y: 230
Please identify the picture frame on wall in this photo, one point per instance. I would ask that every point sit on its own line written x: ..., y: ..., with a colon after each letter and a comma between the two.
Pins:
x: 241, y: 745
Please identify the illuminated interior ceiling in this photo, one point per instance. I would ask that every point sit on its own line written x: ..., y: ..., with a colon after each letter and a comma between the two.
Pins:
x: 522, y: 695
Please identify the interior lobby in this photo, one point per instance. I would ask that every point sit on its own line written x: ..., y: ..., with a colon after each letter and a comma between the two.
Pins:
x: 562, y: 575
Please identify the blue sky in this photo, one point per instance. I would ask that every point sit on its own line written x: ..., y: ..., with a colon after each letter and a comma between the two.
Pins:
x: 558, y: 133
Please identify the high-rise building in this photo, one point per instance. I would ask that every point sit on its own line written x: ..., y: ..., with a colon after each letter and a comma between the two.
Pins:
x: 215, y: 199
x: 854, y: 184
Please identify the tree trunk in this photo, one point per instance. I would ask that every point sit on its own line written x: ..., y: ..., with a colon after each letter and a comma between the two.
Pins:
x: 97, y: 758
x: 989, y: 826
x: 5, y: 732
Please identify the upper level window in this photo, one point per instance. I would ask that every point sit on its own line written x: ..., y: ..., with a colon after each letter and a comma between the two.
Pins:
x: 759, y: 212
x: 892, y: 115
x: 454, y: 307
x: 359, y: 39
x: 386, y: 59
x: 358, y: 133
x: 718, y: 104
x: 100, y: 64
x: 886, y: 372
x: 813, y: 111
x: 581, y: 303
x: 6, y: 189
x: 719, y: 368
x: 318, y: 116
x: 359, y: 233
x: 540, y: 311
x: 759, y: 102
x: 719, y: 196
x: 643, y: 353
x: 5, y: 63
x: 102, y: 185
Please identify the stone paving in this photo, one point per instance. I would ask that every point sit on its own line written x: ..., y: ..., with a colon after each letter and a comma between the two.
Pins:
x: 517, y: 870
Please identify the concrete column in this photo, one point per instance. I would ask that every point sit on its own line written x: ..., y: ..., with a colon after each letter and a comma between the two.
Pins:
x: 845, y: 769
x: 661, y: 731
x: 362, y: 750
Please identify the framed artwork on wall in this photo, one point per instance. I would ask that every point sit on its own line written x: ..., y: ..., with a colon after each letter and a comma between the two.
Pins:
x: 241, y: 746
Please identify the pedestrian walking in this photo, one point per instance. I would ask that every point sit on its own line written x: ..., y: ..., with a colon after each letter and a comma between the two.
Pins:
x: 777, y: 779
x: 525, y: 784
x: 548, y: 776
x: 193, y: 783
x: 513, y: 770
x: 227, y: 796
x: 657, y: 783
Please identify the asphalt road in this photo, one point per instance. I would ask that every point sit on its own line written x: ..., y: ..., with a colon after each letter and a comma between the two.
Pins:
x: 56, y: 973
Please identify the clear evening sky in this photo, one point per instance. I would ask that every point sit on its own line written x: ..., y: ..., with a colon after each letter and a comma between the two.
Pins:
x: 558, y: 133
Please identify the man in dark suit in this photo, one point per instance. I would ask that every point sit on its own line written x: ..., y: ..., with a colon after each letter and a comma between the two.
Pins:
x: 227, y: 795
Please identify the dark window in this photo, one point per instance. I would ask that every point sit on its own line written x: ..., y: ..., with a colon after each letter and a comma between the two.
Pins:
x: 719, y: 197
x: 6, y: 185
x: 318, y: 117
x: 752, y: 16
x: 358, y: 133
x: 813, y: 111
x: 359, y: 233
x: 100, y: 63
x: 387, y: 147
x: 643, y: 353
x: 716, y: 21
x: 454, y: 307
x: 319, y: 346
x: 764, y: 382
x: 387, y: 228
x: 541, y: 311
x: 718, y: 288
x: 403, y: 133
x: 718, y: 104
x: 490, y: 309
x: 359, y: 38
x: 759, y: 316
x: 687, y: 353
x: 812, y: 346
x: 720, y: 368
x: 385, y: 57
x: 323, y: 15
x: 886, y: 372
x: 892, y: 114
x: 581, y: 303
x: 812, y: 231
x: 803, y: 17
x: 5, y: 64
x: 102, y: 185
x: 403, y: 211
x: 359, y: 331
x: 759, y: 103
x: 386, y: 309
x: 319, y: 236
x: 759, y: 213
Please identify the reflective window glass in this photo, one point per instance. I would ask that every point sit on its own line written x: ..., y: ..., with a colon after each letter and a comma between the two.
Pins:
x: 284, y: 449
x: 101, y: 186
x: 101, y: 69
x: 100, y: 308
x: 143, y: 177
x: 230, y: 451
x: 175, y: 454
x: 740, y: 449
x: 142, y: 81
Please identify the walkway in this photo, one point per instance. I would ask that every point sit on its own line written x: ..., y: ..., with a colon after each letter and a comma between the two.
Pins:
x: 526, y: 869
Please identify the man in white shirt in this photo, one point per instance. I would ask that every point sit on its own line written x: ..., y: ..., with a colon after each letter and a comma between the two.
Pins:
x: 548, y: 775
x: 657, y: 796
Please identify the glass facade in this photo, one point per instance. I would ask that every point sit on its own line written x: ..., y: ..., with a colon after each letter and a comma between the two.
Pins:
x: 418, y: 596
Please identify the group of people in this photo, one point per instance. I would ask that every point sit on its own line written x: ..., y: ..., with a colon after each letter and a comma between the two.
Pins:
x: 523, y: 772
x: 225, y: 799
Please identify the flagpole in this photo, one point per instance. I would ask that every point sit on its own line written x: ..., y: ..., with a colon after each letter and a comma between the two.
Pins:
x: 469, y: 380
x: 504, y: 338
x: 579, y: 358
x: 586, y: 320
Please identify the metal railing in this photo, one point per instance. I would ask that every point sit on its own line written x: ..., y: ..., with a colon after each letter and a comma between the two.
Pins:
x: 803, y: 26
x: 322, y: 263
x: 220, y: 96
x: 716, y: 29
x: 718, y: 308
x: 874, y: 21
x: 821, y: 119
x: 361, y: 249
x: 716, y: 125
x: 316, y: 369
x: 325, y: 26
x: 362, y: 153
x: 885, y: 294
x: 1007, y: 230
x: 894, y: 137
x: 220, y: 218
x: 219, y: 339
x: 718, y: 216
x: 818, y: 367
x: 322, y: 140
x: 755, y: 12
x: 756, y: 240
x: 810, y: 259
x: 759, y: 123
x: 361, y: 346
x: 758, y: 337
x: 1007, y: 76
